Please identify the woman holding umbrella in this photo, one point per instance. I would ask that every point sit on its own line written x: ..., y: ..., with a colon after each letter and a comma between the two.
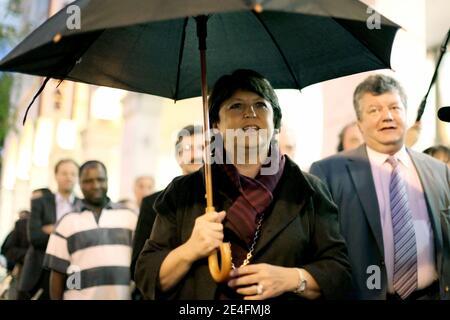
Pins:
x: 280, y: 221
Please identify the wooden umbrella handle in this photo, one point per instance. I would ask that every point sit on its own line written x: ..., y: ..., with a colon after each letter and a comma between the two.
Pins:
x: 220, y: 274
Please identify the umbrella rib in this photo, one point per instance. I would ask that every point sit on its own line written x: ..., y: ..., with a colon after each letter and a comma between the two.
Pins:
x: 34, y: 99
x: 180, y: 58
x: 279, y: 49
x: 72, y: 62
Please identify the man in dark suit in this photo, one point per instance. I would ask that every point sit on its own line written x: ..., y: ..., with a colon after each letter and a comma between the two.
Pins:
x: 45, y: 212
x: 393, y: 202
x: 188, y: 149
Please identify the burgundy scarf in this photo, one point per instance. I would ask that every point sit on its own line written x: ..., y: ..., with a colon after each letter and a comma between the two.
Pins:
x: 255, y: 196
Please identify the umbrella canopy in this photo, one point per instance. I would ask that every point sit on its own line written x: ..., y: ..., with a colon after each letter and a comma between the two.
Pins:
x: 151, y: 46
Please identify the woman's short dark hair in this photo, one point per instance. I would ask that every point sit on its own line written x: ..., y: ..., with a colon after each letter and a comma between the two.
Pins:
x: 247, y: 80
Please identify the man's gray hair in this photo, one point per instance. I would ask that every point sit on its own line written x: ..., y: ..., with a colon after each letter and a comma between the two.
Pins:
x: 377, y: 84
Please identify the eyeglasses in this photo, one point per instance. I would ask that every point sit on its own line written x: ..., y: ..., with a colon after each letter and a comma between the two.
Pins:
x: 240, y: 107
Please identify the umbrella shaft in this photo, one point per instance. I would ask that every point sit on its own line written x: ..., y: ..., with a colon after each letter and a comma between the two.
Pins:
x: 207, y: 154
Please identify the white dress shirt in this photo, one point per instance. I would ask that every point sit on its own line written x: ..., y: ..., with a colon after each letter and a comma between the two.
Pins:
x: 381, y: 172
x: 63, y: 205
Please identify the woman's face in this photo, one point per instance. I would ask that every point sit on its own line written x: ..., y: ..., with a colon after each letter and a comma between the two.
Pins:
x: 246, y: 119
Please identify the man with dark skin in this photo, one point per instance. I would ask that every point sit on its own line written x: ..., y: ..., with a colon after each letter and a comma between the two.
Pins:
x: 89, y: 252
x: 94, y: 186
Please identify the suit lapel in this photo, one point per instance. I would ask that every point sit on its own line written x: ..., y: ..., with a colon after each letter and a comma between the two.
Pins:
x: 430, y: 193
x: 361, y: 174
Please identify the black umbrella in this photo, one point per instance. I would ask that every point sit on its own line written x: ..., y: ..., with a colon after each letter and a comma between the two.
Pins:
x: 152, y: 47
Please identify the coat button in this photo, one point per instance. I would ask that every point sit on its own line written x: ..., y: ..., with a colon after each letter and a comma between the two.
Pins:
x: 446, y: 289
x: 382, y: 262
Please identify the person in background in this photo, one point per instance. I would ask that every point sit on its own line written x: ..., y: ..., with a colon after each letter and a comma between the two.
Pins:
x: 143, y: 186
x: 46, y: 210
x: 439, y: 152
x: 350, y: 137
x: 16, y: 243
x: 89, y: 252
x: 189, y: 156
x: 14, y: 249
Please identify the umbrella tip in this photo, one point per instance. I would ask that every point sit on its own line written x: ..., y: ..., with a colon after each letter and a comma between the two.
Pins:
x: 258, y: 8
x: 57, y: 37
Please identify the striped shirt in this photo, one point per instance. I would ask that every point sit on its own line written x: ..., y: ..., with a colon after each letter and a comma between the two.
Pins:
x: 95, y: 255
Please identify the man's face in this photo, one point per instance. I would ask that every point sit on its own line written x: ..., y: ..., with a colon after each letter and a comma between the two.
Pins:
x: 249, y: 117
x: 190, y: 153
x: 144, y: 186
x: 382, y: 121
x: 94, y: 185
x: 352, y: 138
x: 66, y: 177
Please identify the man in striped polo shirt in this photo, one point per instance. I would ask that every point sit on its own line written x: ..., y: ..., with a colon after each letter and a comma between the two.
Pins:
x: 89, y: 252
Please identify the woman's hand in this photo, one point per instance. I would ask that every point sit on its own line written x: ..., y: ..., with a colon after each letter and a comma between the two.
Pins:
x: 272, y: 281
x: 264, y: 281
x: 206, y: 236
